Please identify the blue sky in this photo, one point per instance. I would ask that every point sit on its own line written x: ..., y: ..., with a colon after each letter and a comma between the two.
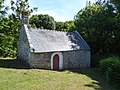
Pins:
x: 60, y: 10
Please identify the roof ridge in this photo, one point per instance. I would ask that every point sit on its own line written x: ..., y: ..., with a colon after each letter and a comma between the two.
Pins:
x: 52, y: 30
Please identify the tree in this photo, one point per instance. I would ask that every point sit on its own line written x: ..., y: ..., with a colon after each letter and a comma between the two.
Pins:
x: 8, y: 37
x: 59, y: 26
x: 65, y: 26
x: 116, y: 3
x: 98, y: 24
x: 69, y: 26
x: 20, y: 6
x: 42, y: 21
x: 10, y: 26
x: 3, y: 9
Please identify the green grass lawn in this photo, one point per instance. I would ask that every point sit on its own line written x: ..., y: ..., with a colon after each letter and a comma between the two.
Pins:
x: 15, y: 75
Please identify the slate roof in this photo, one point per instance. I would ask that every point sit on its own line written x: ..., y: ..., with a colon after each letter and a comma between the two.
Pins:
x: 50, y: 40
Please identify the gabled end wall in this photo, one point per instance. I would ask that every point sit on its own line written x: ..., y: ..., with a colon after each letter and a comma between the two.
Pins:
x: 23, y: 45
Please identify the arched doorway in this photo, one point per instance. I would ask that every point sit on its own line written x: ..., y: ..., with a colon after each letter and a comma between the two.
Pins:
x: 56, y: 62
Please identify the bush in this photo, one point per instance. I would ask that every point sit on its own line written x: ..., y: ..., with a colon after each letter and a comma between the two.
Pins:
x: 110, y: 67
x: 114, y: 74
x: 108, y: 63
x: 95, y: 62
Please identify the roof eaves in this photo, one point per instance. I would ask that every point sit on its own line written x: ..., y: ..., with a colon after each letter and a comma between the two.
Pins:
x: 60, y: 51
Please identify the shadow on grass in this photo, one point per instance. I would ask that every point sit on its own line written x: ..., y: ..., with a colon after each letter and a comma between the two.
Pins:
x: 13, y: 63
x: 94, y: 74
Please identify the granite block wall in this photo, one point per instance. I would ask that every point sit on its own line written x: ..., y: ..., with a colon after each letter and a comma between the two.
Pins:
x: 40, y: 60
x: 76, y: 59
x: 23, y: 46
x: 71, y: 59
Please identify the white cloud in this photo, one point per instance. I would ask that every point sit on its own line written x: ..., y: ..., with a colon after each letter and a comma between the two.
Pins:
x: 54, y: 14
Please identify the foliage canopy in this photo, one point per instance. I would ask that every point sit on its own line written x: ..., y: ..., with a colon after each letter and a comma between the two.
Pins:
x: 99, y: 25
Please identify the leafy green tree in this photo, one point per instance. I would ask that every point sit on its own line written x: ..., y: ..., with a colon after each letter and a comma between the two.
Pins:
x: 3, y: 9
x: 59, y: 26
x: 43, y: 21
x: 98, y: 23
x: 69, y: 26
x: 116, y: 3
x: 65, y: 26
x: 19, y: 6
x: 10, y: 26
x: 8, y: 37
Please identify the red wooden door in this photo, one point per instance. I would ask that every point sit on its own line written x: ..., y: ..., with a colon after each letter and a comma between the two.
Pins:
x: 56, y: 62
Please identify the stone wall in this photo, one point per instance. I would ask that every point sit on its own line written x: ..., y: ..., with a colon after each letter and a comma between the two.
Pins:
x: 23, y: 45
x: 40, y: 60
x: 76, y: 59
x: 71, y: 59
